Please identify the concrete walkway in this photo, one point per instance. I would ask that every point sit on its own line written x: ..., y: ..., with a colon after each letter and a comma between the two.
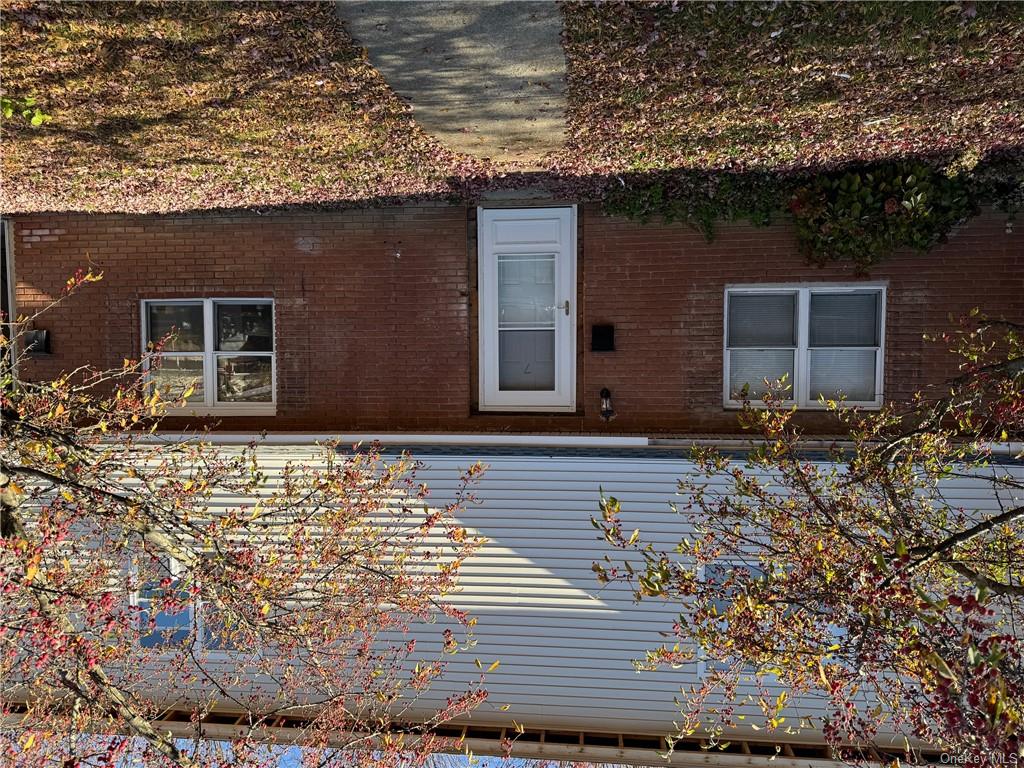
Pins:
x: 486, y: 77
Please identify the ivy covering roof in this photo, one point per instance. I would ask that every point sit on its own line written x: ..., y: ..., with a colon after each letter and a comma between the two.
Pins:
x: 190, y: 106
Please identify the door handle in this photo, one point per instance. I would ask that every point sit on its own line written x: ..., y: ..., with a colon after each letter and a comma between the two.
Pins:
x: 566, y: 307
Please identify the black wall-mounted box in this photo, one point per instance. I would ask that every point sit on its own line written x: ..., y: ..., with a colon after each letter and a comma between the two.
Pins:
x: 602, y: 338
x: 37, y: 342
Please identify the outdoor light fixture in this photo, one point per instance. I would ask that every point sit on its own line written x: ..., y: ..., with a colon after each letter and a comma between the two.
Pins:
x: 607, y: 412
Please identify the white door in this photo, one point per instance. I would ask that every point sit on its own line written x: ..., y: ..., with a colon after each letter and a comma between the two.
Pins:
x: 527, y: 297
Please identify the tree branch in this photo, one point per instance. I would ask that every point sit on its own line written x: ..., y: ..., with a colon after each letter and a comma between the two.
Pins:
x: 992, y: 585
x: 117, y: 704
x: 931, y: 552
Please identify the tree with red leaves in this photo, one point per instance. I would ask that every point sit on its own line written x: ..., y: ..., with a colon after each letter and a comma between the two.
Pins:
x: 141, y: 575
x: 852, y: 577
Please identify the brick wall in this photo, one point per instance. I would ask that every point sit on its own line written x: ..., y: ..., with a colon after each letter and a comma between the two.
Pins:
x: 375, y: 326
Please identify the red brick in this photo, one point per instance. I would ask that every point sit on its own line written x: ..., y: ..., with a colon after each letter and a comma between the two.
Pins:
x: 366, y: 341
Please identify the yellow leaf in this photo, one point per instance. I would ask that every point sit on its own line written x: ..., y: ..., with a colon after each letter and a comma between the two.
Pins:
x: 28, y: 742
x: 265, y: 609
x: 59, y: 410
x: 493, y: 666
x: 32, y: 569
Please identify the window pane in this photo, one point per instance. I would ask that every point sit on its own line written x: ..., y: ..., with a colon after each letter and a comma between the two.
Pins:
x: 218, y: 634
x: 526, y: 291
x: 170, y: 628
x: 762, y: 320
x: 173, y: 375
x: 844, y: 320
x: 185, y: 321
x: 245, y: 327
x: 244, y: 379
x: 851, y: 372
x: 753, y: 366
x: 718, y: 574
x: 526, y: 361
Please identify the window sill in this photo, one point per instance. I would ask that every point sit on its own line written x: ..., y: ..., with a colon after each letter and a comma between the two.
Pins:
x: 735, y: 405
x: 220, y: 410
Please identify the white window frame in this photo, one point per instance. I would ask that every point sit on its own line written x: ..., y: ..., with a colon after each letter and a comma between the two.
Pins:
x: 210, y: 405
x: 563, y: 398
x: 801, y: 382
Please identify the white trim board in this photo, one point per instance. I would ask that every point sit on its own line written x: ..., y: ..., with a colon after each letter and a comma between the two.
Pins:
x: 1008, y: 449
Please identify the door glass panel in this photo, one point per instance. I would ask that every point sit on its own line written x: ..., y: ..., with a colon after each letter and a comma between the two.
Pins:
x: 245, y: 328
x: 526, y: 291
x: 173, y: 375
x: 184, y: 321
x: 526, y: 360
x: 526, y: 322
x: 244, y: 379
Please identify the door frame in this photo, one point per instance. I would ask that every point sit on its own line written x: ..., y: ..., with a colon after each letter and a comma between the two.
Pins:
x: 563, y: 398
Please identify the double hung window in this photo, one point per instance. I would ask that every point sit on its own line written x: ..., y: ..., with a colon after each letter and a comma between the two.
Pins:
x: 219, y: 351
x: 825, y: 341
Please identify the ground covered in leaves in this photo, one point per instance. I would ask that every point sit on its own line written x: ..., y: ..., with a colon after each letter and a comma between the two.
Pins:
x: 192, y: 105
x: 160, y: 107
x: 791, y: 86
